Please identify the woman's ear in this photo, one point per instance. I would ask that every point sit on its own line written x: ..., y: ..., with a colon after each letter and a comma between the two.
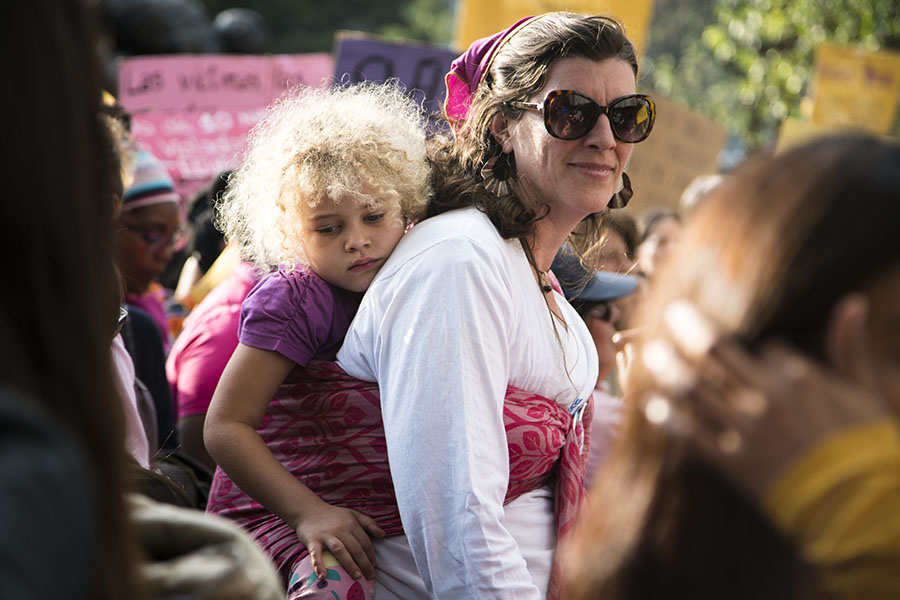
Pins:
x: 846, y: 340
x: 500, y: 130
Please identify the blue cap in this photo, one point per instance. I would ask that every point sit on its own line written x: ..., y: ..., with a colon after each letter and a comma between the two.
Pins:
x: 577, y: 284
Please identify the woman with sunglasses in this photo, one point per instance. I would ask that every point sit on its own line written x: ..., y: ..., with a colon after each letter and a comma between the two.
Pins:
x: 544, y: 115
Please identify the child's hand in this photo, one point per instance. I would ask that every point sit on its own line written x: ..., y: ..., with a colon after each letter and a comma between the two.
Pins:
x: 345, y: 533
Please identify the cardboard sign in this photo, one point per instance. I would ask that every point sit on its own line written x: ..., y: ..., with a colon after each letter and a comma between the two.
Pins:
x: 420, y: 67
x: 856, y: 88
x: 683, y: 144
x: 477, y: 18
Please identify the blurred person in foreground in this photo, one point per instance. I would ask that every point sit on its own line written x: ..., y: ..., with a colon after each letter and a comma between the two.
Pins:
x: 761, y: 456
x: 64, y: 532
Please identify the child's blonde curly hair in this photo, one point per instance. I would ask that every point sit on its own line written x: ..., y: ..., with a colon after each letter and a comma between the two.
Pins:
x: 365, y: 141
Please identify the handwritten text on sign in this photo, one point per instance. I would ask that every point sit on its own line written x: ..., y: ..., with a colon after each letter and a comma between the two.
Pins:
x: 196, y: 144
x: 215, y: 81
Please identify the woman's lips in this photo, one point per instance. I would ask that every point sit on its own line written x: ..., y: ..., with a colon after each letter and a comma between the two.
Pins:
x: 593, y: 169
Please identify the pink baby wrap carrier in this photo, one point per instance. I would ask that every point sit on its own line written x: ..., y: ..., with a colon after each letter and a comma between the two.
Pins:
x: 325, y: 427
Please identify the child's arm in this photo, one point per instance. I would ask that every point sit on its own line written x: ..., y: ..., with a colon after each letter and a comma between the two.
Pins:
x: 248, y: 384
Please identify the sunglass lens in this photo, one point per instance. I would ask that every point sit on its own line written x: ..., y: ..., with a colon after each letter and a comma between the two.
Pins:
x: 571, y: 116
x: 631, y: 118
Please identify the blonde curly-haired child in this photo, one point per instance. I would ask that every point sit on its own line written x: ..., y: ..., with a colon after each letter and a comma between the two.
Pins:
x: 330, y: 181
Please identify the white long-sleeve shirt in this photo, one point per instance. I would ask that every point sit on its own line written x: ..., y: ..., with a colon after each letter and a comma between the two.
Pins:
x: 452, y: 318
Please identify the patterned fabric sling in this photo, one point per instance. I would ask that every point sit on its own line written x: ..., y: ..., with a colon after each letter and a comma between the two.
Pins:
x: 326, y: 428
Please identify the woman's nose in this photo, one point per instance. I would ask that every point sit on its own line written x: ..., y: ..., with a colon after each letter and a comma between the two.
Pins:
x: 601, y: 136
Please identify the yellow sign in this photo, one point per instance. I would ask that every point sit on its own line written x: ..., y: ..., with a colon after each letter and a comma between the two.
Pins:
x: 856, y: 88
x: 480, y: 18
x: 795, y: 132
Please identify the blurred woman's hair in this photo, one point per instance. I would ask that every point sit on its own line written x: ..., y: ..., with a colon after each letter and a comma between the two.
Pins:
x: 59, y: 315
x: 766, y: 255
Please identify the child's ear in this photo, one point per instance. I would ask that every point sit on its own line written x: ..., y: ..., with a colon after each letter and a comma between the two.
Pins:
x: 500, y: 130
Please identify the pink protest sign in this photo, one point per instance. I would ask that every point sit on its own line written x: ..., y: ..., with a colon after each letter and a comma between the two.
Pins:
x: 196, y: 144
x: 215, y: 81
x: 194, y: 111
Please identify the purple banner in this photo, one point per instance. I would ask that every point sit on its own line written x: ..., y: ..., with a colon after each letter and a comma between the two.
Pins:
x: 419, y: 67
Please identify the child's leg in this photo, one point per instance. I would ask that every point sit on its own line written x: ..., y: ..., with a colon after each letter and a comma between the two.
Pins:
x: 338, y: 585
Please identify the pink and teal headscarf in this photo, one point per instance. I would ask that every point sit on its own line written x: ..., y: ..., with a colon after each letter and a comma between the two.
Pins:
x: 469, y: 69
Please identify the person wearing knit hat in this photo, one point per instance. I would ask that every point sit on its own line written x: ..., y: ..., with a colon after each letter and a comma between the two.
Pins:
x: 150, y: 231
x: 152, y: 184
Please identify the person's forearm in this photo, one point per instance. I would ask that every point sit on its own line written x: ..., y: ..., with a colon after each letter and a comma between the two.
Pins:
x: 241, y: 453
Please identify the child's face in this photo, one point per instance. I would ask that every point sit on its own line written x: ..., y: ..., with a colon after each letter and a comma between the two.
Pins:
x: 347, y: 243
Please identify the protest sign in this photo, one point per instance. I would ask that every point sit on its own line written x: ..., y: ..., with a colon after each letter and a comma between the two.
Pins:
x: 795, y: 132
x: 194, y: 111
x: 196, y: 144
x: 214, y: 81
x: 420, y: 67
x: 856, y: 88
x: 683, y: 144
x: 477, y: 19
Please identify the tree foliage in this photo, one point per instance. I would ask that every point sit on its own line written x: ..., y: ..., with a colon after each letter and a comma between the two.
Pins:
x: 309, y: 25
x: 749, y: 63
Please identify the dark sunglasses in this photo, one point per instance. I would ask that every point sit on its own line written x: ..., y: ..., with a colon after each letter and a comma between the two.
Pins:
x: 569, y: 115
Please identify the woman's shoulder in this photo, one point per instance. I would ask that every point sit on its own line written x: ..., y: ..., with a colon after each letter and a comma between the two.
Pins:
x: 450, y: 252
x: 466, y: 223
x: 461, y: 235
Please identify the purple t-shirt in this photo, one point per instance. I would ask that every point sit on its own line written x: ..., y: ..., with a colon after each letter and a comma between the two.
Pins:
x: 298, y: 315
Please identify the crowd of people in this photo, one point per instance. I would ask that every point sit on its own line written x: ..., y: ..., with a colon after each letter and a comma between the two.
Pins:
x: 380, y: 360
